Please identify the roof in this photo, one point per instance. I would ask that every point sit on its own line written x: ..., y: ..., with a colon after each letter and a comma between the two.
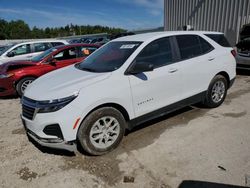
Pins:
x: 39, y: 41
x: 154, y: 35
x: 77, y: 44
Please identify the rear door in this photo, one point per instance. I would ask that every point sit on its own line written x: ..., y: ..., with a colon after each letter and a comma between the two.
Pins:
x: 38, y: 48
x: 160, y: 87
x: 196, y: 58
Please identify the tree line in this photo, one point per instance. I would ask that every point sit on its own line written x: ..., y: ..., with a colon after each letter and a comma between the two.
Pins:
x: 18, y: 29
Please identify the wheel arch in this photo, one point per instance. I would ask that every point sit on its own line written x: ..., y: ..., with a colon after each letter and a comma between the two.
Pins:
x: 118, y: 107
x: 22, y: 77
x: 226, y: 75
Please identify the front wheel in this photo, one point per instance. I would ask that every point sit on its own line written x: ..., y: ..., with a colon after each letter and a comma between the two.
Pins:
x: 101, y: 131
x: 23, y: 84
x: 216, y: 92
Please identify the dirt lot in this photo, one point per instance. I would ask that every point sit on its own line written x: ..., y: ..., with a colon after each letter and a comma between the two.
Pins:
x: 191, y: 144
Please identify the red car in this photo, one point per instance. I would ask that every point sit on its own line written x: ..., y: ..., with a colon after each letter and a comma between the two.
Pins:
x: 15, y: 76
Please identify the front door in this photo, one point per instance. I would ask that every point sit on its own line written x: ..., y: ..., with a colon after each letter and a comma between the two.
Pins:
x: 21, y: 52
x: 160, y: 87
x: 61, y: 59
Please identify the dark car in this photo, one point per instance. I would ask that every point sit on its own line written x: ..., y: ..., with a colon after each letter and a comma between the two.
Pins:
x: 118, y: 35
x: 74, y: 41
x: 15, y: 76
x: 243, y: 49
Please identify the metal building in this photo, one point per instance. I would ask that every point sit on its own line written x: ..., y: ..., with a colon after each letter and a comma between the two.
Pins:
x: 227, y: 16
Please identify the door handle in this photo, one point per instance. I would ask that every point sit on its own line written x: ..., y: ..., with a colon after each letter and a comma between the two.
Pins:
x: 211, y: 58
x: 172, y: 70
x: 29, y: 56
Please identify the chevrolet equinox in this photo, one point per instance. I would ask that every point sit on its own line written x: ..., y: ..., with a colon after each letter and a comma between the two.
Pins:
x: 128, y: 81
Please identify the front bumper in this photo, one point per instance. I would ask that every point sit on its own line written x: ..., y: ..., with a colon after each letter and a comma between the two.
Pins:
x: 55, y: 143
x: 65, y: 120
x: 7, y: 87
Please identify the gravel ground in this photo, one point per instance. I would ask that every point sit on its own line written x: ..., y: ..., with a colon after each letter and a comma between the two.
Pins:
x: 188, y: 148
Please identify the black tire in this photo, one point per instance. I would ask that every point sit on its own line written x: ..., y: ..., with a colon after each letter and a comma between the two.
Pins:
x: 84, y: 131
x: 20, y: 84
x: 209, y: 101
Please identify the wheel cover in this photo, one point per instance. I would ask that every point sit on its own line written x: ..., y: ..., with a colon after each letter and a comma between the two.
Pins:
x: 218, y: 91
x: 104, y: 132
x: 25, y: 85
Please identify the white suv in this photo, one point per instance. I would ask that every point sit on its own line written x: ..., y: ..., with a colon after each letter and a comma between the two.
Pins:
x: 126, y: 82
x: 27, y: 50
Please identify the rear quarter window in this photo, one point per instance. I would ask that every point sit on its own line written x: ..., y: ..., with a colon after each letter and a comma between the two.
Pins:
x: 219, y: 39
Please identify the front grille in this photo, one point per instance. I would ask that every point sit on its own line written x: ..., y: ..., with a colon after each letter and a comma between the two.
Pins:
x: 28, y: 108
x: 28, y: 112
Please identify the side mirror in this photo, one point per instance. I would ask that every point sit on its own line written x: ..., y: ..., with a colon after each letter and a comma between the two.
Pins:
x: 52, y: 61
x: 10, y: 54
x: 140, y: 67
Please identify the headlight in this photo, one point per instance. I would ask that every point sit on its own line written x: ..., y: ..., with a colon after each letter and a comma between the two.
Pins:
x: 6, y: 75
x: 54, y: 105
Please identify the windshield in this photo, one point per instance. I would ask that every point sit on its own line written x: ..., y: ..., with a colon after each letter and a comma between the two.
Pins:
x: 43, y: 55
x: 110, y: 57
x: 3, y: 49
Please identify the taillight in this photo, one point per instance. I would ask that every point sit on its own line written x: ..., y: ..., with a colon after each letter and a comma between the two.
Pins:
x: 233, y: 52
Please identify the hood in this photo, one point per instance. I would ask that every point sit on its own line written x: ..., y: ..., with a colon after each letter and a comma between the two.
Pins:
x: 243, y: 45
x: 62, y: 83
x: 245, y: 32
x: 13, y: 65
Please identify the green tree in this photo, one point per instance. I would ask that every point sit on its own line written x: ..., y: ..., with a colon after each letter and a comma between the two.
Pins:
x: 3, y: 29
x: 19, y: 30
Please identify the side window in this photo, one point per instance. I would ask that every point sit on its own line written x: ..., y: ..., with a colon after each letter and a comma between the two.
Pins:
x: 189, y: 46
x: 21, y: 50
x: 56, y: 44
x: 158, y: 53
x: 86, y: 51
x: 69, y: 53
x: 40, y: 47
x: 205, y: 46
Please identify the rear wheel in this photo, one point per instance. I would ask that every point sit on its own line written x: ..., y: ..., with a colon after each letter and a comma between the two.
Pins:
x: 101, y: 131
x: 216, y: 92
x: 23, y: 84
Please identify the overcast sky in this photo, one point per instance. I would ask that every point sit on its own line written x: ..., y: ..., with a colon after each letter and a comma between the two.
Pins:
x: 127, y: 14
